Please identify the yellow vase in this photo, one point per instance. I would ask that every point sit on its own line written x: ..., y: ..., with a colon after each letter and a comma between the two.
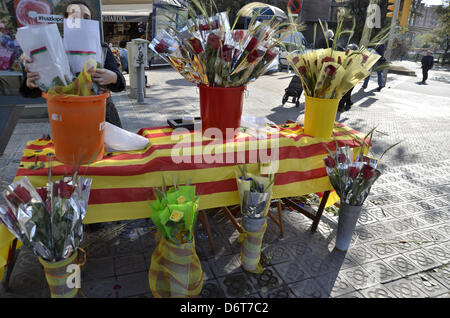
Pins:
x: 320, y: 115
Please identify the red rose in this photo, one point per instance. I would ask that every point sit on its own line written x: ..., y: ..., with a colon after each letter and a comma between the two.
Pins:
x: 330, y: 70
x: 251, y: 45
x: 238, y: 35
x: 330, y: 162
x: 302, y: 70
x: 227, y: 53
x: 65, y: 190
x: 269, y: 56
x: 19, y: 195
x: 353, y: 172
x: 42, y: 193
x: 196, y: 45
x: 204, y: 27
x: 347, y: 51
x: 339, y: 60
x: 365, y: 58
x: 327, y: 59
x: 253, y: 56
x: 367, y: 172
x: 315, y: 62
x: 342, y: 158
x: 161, y: 47
x: 213, y: 41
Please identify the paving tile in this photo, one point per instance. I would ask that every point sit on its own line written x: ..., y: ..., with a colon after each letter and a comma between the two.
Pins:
x: 422, y: 259
x: 441, y: 274
x: 397, y: 226
x: 402, y: 265
x: 427, y: 284
x: 236, y: 285
x: 363, y: 235
x: 401, y: 244
x: 31, y: 283
x: 308, y: 288
x: 425, y: 205
x: 265, y: 281
x: 380, y: 229
x: 444, y: 229
x: 277, y: 253
x: 211, y: 289
x: 438, y: 202
x: 366, y: 218
x: 279, y: 292
x: 225, y: 265
x: 382, y: 272
x: 334, y: 284
x: 381, y: 213
x: 413, y: 222
x: 404, y: 288
x: 396, y: 210
x: 133, y: 284
x: 433, y: 234
x: 97, y: 268
x: 362, y: 254
x: 417, y: 238
x: 359, y: 278
x: 100, y: 288
x: 129, y: 264
x: 377, y: 291
x: 381, y: 249
x: 316, y: 264
x: 291, y: 272
x: 355, y: 294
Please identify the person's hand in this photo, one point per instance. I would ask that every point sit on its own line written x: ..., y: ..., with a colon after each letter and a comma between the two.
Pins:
x: 104, y: 77
x: 32, y: 77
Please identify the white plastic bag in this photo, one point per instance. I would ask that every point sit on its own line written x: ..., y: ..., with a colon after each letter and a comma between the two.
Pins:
x: 118, y: 139
x: 82, y: 41
x: 258, y: 126
x: 44, y: 46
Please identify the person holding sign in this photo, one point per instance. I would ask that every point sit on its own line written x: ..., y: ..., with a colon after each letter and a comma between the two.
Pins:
x: 109, y: 76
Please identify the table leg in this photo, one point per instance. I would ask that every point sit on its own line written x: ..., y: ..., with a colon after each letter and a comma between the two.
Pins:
x: 280, y: 217
x: 204, y: 220
x: 10, y: 266
x: 233, y: 220
x: 320, y: 210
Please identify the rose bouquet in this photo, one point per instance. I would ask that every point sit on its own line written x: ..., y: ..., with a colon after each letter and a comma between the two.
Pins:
x: 329, y: 73
x: 255, y: 192
x: 350, y: 179
x: 206, y: 50
x: 47, y: 219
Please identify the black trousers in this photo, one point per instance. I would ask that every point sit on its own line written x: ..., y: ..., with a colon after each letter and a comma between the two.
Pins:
x: 424, y: 74
x: 346, y: 99
x: 112, y: 116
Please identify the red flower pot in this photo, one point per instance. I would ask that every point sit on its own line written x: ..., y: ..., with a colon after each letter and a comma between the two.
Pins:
x: 221, y: 108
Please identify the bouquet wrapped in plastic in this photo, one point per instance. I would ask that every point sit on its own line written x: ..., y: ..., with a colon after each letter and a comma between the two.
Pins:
x: 352, y: 180
x: 175, y: 269
x: 206, y: 50
x: 48, y: 219
x: 43, y: 45
x: 255, y: 192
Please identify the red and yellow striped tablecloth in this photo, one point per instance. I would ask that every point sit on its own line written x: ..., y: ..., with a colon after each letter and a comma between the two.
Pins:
x: 123, y: 182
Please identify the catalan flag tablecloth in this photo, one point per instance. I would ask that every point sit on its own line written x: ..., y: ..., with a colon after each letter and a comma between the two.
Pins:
x: 123, y: 182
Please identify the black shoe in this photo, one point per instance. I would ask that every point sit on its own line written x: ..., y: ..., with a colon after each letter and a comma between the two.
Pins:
x: 379, y: 89
x: 348, y: 107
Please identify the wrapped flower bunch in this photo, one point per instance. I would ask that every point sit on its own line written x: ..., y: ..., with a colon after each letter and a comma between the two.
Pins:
x: 47, y: 219
x: 206, y: 50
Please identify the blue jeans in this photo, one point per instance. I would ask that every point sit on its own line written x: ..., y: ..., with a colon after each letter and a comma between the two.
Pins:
x: 380, y: 79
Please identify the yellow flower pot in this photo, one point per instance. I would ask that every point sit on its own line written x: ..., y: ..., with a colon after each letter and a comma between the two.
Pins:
x: 320, y: 115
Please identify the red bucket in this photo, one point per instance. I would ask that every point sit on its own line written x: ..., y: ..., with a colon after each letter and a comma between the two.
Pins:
x: 221, y: 108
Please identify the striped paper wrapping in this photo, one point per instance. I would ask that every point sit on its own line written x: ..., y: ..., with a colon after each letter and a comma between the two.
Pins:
x: 175, y: 271
x: 123, y: 182
x: 251, y: 243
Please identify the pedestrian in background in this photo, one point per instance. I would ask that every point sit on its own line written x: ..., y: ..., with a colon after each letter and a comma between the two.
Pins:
x: 346, y: 101
x: 327, y: 42
x: 380, y: 50
x: 427, y: 64
x: 123, y: 55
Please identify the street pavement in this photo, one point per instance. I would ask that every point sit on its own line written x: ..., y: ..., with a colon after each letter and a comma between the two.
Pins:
x: 400, y: 248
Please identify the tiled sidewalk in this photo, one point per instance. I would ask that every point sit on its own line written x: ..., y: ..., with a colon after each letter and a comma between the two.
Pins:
x: 401, y: 248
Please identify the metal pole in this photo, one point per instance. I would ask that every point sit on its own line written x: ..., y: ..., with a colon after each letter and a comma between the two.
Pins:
x: 140, y: 86
x: 387, y: 54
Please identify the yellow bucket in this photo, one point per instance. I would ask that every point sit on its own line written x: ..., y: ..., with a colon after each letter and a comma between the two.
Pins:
x: 320, y: 115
